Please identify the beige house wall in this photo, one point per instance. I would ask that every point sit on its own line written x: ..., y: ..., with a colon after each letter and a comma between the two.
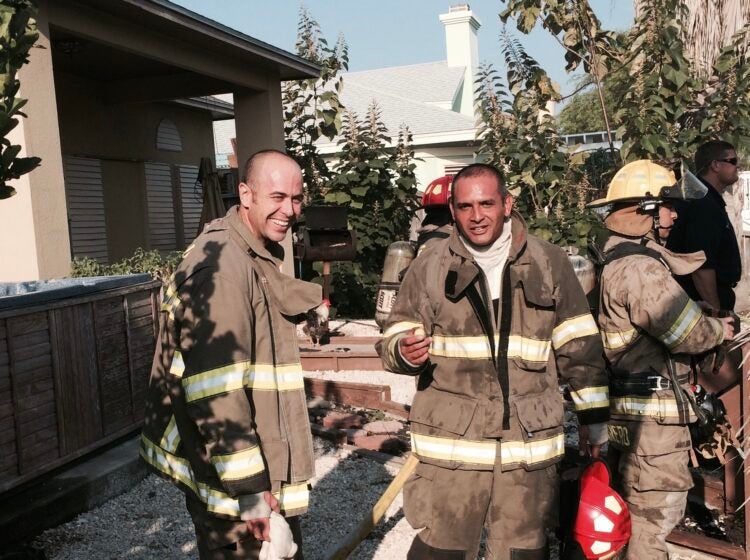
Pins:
x: 260, y: 126
x: 33, y: 225
x: 123, y: 136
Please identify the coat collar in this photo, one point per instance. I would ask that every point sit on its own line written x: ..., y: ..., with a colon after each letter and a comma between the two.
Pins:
x: 678, y: 263
x: 271, y: 251
x: 463, y: 271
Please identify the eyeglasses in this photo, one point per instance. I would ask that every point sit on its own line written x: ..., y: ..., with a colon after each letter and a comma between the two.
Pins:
x: 731, y: 160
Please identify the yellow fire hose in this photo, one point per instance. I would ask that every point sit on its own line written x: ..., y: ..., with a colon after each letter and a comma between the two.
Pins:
x: 344, y: 549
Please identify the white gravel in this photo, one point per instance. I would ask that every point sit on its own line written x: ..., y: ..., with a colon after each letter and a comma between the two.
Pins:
x: 150, y: 521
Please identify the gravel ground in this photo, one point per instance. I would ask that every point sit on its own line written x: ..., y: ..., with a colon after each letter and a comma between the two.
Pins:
x: 150, y: 521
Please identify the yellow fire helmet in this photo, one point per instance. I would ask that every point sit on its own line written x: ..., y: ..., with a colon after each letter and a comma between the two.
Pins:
x: 646, y: 180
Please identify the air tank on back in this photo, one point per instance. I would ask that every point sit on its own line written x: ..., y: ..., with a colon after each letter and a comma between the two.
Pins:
x: 397, y: 260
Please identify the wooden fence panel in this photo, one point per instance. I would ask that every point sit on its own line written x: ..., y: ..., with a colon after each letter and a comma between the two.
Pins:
x: 141, y: 342
x: 73, y: 377
x: 76, y: 367
x: 114, y: 381
x: 8, y: 451
x: 32, y: 385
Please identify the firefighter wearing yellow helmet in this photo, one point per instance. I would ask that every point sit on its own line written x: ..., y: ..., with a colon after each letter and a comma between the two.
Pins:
x: 650, y: 327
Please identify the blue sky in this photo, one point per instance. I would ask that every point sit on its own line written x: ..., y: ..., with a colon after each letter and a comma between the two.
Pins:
x: 395, y: 32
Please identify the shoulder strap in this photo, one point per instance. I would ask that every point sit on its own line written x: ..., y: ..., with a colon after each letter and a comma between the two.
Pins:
x: 629, y: 248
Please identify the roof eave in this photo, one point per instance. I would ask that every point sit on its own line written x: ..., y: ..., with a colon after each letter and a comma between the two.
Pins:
x: 290, y: 66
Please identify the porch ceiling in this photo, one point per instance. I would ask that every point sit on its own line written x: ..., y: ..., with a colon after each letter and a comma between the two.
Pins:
x: 148, y: 50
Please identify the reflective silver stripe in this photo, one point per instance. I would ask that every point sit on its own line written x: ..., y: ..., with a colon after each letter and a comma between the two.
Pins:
x: 177, y: 367
x: 533, y: 451
x: 462, y: 451
x: 528, y: 349
x: 241, y: 464
x: 590, y: 397
x: 682, y: 327
x: 400, y: 327
x: 171, y: 438
x: 293, y: 497
x: 179, y: 469
x: 261, y: 377
x: 645, y: 406
x: 577, y: 327
x: 614, y: 340
x: 274, y: 378
x: 469, y: 347
x: 478, y: 347
x: 215, y: 381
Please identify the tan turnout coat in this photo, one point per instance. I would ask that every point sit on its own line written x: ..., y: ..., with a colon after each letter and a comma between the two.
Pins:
x: 490, y: 389
x: 643, y: 312
x: 226, y: 413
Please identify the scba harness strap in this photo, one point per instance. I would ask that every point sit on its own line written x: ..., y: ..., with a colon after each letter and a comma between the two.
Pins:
x: 684, y: 402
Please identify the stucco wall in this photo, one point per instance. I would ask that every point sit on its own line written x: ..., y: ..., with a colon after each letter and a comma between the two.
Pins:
x: 123, y: 136
x: 90, y: 128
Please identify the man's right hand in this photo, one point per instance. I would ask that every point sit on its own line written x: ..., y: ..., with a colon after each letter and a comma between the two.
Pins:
x: 415, y: 347
x: 729, y: 327
x: 261, y: 527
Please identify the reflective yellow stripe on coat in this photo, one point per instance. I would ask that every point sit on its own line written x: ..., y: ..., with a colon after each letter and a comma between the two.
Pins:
x: 243, y: 375
x: 293, y: 497
x: 486, y: 452
x: 478, y: 347
x: 639, y: 407
x: 577, y: 327
x: 681, y: 328
x: 614, y: 340
x: 590, y: 397
x: 179, y: 470
x: 242, y: 464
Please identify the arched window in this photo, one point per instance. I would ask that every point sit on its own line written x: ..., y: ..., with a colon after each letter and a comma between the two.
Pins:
x: 168, y: 137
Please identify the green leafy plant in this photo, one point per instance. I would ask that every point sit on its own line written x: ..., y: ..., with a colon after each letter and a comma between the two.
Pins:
x: 159, y: 266
x: 377, y: 183
x: 551, y: 186
x: 17, y: 35
x: 312, y: 109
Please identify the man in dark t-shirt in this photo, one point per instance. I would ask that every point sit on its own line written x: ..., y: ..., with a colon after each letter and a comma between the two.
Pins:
x: 703, y: 225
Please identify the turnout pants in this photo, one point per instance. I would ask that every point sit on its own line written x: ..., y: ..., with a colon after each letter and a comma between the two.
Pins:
x: 653, y: 477
x: 452, y: 507
x: 224, y: 539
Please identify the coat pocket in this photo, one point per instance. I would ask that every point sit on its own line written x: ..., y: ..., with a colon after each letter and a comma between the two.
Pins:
x: 540, y: 415
x: 418, y: 500
x: 445, y: 412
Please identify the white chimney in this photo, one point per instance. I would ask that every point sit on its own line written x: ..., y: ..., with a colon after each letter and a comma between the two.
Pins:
x: 461, y: 44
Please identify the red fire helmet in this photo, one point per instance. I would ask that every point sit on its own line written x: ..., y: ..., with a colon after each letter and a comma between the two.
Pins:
x: 602, y: 527
x: 438, y: 192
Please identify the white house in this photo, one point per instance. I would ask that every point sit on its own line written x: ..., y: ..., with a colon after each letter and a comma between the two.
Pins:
x: 434, y: 99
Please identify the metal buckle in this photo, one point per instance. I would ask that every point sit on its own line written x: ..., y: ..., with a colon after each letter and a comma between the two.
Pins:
x: 661, y: 383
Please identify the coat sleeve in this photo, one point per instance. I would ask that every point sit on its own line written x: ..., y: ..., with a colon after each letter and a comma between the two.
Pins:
x: 410, y: 310
x: 578, y: 349
x: 212, y: 325
x: 661, y: 308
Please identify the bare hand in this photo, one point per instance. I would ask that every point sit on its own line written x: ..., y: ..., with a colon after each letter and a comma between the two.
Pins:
x: 585, y: 448
x: 261, y: 527
x: 728, y: 324
x: 415, y: 347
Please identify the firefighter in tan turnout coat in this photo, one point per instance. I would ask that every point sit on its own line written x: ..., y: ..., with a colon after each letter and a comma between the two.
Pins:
x: 488, y: 319
x: 226, y: 418
x: 647, y: 321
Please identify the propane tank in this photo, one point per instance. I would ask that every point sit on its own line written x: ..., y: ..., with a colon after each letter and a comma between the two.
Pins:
x: 397, y: 260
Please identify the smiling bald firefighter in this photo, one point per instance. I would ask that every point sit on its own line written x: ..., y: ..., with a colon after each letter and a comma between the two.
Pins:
x: 488, y: 319
x: 650, y: 327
